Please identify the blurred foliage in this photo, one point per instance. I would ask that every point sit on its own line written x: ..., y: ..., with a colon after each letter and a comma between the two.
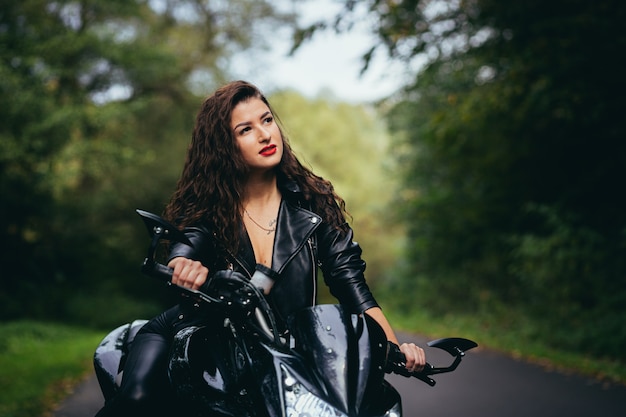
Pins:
x: 511, y: 143
x: 97, y: 100
x: 98, y: 103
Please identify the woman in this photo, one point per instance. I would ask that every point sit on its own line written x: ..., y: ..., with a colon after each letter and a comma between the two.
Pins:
x: 246, y: 203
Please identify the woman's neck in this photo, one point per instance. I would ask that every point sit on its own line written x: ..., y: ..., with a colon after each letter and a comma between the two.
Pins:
x: 261, y: 191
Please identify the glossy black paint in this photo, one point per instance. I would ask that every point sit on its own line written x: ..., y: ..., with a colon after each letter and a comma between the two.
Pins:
x: 339, y: 357
x: 110, y: 354
x: 347, y: 351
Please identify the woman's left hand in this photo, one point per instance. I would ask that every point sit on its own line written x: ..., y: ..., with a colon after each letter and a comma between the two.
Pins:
x: 415, y: 356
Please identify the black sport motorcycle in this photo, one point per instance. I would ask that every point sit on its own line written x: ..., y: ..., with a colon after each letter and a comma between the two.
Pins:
x: 237, y: 364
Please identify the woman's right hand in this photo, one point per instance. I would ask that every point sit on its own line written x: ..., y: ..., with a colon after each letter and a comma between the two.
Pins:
x: 188, y: 273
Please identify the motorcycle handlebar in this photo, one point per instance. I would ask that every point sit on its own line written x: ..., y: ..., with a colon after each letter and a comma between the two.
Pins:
x: 236, y: 292
x: 422, y: 375
x: 165, y: 273
x: 157, y: 270
x: 396, y: 361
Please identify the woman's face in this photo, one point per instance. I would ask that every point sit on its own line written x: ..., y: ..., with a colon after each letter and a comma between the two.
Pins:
x: 257, y: 134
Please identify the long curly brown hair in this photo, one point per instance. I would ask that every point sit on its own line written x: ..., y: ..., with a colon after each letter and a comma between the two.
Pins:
x: 211, y: 186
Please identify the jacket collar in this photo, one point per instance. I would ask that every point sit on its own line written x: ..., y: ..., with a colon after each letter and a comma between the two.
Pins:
x: 294, y: 226
x: 290, y: 190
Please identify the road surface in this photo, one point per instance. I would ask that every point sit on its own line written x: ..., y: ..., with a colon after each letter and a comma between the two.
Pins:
x: 486, y: 384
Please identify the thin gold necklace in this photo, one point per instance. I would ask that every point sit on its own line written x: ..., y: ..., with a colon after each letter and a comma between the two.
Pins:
x: 272, y: 224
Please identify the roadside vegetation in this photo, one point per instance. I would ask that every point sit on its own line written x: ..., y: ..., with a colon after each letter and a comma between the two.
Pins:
x: 512, y: 337
x: 40, y: 363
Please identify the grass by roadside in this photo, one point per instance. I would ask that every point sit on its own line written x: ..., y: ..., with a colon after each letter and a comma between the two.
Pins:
x: 40, y: 363
x: 519, y: 341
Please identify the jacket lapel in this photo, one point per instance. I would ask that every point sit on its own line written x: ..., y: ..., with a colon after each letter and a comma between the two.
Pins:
x: 294, y: 227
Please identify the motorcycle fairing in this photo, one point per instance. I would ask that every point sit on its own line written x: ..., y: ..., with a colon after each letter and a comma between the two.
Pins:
x: 110, y: 356
x: 346, y: 350
x: 268, y: 370
x: 226, y: 375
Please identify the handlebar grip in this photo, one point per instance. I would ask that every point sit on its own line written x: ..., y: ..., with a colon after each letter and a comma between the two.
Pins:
x: 157, y: 270
x: 396, y: 363
x: 422, y: 375
x: 164, y: 273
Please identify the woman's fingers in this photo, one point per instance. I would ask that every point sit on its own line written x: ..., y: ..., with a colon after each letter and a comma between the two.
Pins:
x: 415, y: 356
x: 188, y: 273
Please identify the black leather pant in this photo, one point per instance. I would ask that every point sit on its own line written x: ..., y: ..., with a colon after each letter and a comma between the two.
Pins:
x: 144, y: 389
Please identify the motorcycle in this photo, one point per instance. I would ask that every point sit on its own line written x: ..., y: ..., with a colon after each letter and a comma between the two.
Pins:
x: 236, y: 363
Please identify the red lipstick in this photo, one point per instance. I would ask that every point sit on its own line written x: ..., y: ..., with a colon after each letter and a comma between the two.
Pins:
x: 268, y: 150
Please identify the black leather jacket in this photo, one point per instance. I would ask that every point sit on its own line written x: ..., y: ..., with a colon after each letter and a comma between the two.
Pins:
x: 301, y: 244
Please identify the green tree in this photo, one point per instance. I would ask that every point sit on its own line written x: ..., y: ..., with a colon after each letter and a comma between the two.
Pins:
x: 513, y: 158
x: 97, y: 99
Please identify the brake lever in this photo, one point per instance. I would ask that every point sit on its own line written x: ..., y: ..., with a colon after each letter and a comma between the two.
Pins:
x: 396, y: 361
x: 422, y: 375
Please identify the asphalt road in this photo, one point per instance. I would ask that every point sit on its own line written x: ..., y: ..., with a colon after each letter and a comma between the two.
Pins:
x: 486, y: 384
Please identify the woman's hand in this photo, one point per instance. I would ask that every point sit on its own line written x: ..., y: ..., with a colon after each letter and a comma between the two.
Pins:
x: 415, y: 356
x: 188, y: 273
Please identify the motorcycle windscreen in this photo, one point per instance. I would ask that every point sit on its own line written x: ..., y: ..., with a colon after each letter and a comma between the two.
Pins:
x: 346, y: 351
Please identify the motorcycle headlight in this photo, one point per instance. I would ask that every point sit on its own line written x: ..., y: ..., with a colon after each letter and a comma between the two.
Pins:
x: 300, y: 402
x: 395, y: 411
